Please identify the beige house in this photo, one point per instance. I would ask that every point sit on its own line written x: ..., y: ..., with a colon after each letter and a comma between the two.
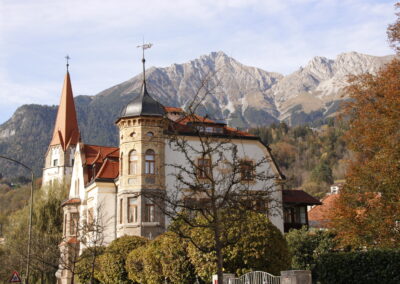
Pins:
x: 108, y: 184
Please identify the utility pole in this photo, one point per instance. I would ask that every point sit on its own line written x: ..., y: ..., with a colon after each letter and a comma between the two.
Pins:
x: 30, y: 215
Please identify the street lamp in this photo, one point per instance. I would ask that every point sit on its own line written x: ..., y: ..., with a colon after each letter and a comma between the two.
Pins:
x: 30, y: 215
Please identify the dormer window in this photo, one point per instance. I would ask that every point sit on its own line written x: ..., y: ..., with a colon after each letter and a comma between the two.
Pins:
x: 150, y: 162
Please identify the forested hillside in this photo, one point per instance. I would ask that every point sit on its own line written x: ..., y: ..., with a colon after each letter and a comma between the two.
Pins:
x: 310, y: 158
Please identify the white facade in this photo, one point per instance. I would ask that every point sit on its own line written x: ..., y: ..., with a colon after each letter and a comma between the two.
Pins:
x: 58, y: 165
x: 103, y: 198
x: 252, y: 150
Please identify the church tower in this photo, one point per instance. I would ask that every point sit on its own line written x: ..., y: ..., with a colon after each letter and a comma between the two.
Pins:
x: 59, y: 157
x: 142, y: 153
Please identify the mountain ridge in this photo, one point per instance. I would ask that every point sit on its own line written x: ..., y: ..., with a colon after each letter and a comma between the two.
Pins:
x: 244, y: 96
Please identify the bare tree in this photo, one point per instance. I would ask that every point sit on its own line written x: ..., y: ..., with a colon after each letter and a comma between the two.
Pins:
x: 216, y: 180
x: 88, y: 235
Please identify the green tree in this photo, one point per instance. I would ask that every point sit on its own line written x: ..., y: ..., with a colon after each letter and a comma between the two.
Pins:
x: 112, y: 262
x: 322, y: 173
x: 84, y: 265
x: 260, y: 246
x: 46, y: 235
x: 306, y: 246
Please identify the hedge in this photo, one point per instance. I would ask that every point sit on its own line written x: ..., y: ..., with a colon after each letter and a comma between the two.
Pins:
x: 373, y: 266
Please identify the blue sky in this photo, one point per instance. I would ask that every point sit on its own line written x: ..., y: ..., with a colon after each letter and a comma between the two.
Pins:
x: 101, y: 38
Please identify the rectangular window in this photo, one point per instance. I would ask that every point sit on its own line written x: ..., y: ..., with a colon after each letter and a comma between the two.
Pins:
x: 204, y: 168
x: 150, y: 213
x: 55, y: 162
x: 247, y: 170
x: 287, y: 215
x: 73, y: 225
x: 90, y: 217
x: 133, y: 167
x: 209, y: 129
x: 132, y: 210
x: 121, y: 203
x: 303, y: 213
x: 150, y: 167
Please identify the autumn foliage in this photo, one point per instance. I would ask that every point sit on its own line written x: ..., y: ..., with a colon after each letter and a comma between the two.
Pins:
x: 368, y: 210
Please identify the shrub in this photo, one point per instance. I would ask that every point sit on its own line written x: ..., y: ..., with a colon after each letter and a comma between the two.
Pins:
x: 165, y: 258
x: 305, y: 246
x: 112, y: 262
x: 260, y: 246
x: 374, y: 266
x: 84, y: 266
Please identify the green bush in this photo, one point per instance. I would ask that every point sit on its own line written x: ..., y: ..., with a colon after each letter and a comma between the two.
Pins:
x: 374, y: 266
x: 88, y: 259
x: 112, y: 262
x: 306, y: 246
x: 259, y: 246
x: 165, y: 258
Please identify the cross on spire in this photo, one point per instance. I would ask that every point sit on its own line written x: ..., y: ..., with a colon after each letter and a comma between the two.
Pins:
x: 143, y: 47
x: 67, y: 58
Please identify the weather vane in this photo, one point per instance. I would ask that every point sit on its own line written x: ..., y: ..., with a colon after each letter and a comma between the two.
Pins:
x: 143, y: 47
x: 67, y: 58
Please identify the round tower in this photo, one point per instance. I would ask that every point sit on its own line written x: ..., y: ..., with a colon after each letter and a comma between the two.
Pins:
x: 142, y: 174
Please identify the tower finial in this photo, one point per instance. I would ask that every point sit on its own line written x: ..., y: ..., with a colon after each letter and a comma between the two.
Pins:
x: 143, y: 47
x: 67, y: 58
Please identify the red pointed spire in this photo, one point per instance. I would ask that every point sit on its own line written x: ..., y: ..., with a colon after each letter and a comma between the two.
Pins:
x: 66, y: 131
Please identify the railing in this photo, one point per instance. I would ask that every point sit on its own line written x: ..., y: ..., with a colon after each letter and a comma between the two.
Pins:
x: 256, y: 277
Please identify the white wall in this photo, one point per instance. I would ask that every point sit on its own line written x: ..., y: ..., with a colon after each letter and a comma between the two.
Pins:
x: 247, y: 149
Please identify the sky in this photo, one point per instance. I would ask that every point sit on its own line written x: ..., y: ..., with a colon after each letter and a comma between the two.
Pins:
x: 101, y: 37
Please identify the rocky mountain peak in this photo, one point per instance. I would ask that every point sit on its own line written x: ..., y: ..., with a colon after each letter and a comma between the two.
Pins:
x: 244, y: 96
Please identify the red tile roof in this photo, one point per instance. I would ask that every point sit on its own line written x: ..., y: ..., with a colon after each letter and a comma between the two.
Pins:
x: 109, y: 170
x: 173, y: 109
x: 97, y: 154
x: 101, y: 162
x: 73, y: 240
x: 71, y: 201
x: 298, y: 197
x: 185, y: 124
x: 319, y: 216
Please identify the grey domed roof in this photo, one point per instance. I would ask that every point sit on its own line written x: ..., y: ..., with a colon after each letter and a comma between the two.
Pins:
x: 143, y: 105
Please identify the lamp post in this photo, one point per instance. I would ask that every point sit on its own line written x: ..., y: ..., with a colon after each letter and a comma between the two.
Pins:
x: 30, y: 215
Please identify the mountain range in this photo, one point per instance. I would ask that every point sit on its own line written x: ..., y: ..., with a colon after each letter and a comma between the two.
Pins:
x: 241, y: 95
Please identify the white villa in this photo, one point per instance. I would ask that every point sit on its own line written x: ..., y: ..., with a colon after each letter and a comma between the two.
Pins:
x: 108, y: 182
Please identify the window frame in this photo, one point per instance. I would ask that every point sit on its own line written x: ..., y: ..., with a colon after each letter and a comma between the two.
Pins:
x: 204, y: 168
x: 150, y: 213
x: 121, y: 206
x: 132, y: 210
x: 150, y: 164
x: 73, y: 223
x: 133, y: 162
x: 247, y: 172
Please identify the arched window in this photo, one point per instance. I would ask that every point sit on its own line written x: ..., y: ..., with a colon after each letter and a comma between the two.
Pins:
x: 133, y: 158
x: 150, y: 162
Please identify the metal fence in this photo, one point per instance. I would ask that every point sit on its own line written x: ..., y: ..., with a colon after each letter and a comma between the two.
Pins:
x: 256, y: 277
